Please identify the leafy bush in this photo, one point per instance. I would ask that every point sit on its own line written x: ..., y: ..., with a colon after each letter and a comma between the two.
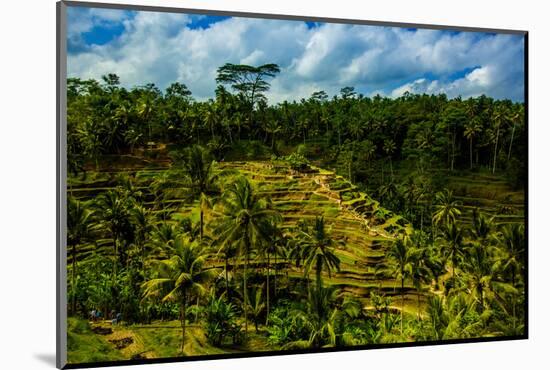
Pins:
x: 220, y: 321
x: 297, y: 161
x: 284, y: 327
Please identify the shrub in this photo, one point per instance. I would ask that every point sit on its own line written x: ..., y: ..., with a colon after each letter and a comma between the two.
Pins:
x: 297, y: 161
x: 220, y: 321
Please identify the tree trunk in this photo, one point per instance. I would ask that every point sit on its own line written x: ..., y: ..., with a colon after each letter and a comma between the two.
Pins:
x: 245, y: 296
x: 201, y: 223
x: 182, y: 320
x: 74, y: 279
x: 511, y: 141
x: 496, y: 146
x: 267, y: 294
x: 275, y: 278
x: 229, y: 132
x: 453, y: 153
x: 471, y: 154
x: 115, y: 240
x: 402, y: 302
x: 318, y: 268
x: 418, y: 304
x: 226, y: 278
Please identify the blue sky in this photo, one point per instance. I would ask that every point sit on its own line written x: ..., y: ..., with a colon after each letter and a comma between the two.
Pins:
x: 143, y: 47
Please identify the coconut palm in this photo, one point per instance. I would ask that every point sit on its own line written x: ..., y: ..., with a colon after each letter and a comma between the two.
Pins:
x: 389, y: 148
x: 480, y: 272
x: 271, y: 247
x: 257, y: 306
x: 471, y: 130
x: 141, y: 219
x: 179, y: 278
x: 114, y: 216
x: 452, y: 237
x: 401, y: 256
x: 317, y: 248
x: 512, y: 243
x: 228, y: 250
x: 245, y: 216
x: 198, y: 165
x: 446, y: 208
x: 145, y: 106
x: 419, y: 273
x: 482, y: 226
x: 319, y: 317
x: 516, y: 119
x: 498, y: 117
x: 438, y: 317
x: 79, y: 228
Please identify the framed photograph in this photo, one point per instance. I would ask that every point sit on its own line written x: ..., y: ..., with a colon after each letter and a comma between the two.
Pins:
x: 235, y: 185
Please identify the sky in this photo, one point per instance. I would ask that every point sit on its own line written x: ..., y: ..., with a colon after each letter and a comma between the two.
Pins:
x: 161, y: 48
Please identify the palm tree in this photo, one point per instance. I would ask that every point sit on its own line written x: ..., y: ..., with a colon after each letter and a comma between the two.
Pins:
x: 419, y: 273
x: 318, y: 251
x: 512, y: 243
x: 228, y: 250
x: 164, y: 233
x: 210, y: 117
x: 79, y: 229
x: 482, y: 226
x: 497, y: 118
x: 143, y: 226
x: 319, y: 317
x: 355, y: 129
x: 269, y: 248
x: 516, y: 119
x: 245, y: 217
x: 272, y: 127
x: 470, y: 132
x: 179, y: 278
x: 389, y: 148
x: 160, y: 185
x: 256, y: 307
x: 453, y: 244
x: 399, y: 253
x: 446, y: 208
x: 198, y: 165
x: 511, y: 259
x: 114, y: 215
x: 438, y: 316
x: 480, y: 271
x: 145, y: 109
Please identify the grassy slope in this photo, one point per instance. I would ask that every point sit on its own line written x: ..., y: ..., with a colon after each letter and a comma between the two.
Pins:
x: 157, y: 340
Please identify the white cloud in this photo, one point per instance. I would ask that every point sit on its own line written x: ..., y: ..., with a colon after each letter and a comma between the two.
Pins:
x: 161, y: 48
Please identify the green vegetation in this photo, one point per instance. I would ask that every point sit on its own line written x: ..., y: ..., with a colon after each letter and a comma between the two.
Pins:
x: 338, y: 222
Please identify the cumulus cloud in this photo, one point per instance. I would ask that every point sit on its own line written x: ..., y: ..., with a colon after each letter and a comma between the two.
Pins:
x: 163, y: 47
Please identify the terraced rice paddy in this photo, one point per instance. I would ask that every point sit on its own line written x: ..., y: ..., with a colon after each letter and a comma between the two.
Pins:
x: 364, y: 230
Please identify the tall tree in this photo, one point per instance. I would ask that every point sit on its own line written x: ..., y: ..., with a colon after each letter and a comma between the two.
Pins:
x: 250, y: 81
x: 180, y: 277
x: 198, y: 164
x: 400, y: 255
x: 245, y: 218
x: 446, y: 208
x: 79, y: 228
x: 453, y: 243
x: 318, y: 251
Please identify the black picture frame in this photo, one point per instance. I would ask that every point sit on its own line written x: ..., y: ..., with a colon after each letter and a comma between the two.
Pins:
x: 61, y: 252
